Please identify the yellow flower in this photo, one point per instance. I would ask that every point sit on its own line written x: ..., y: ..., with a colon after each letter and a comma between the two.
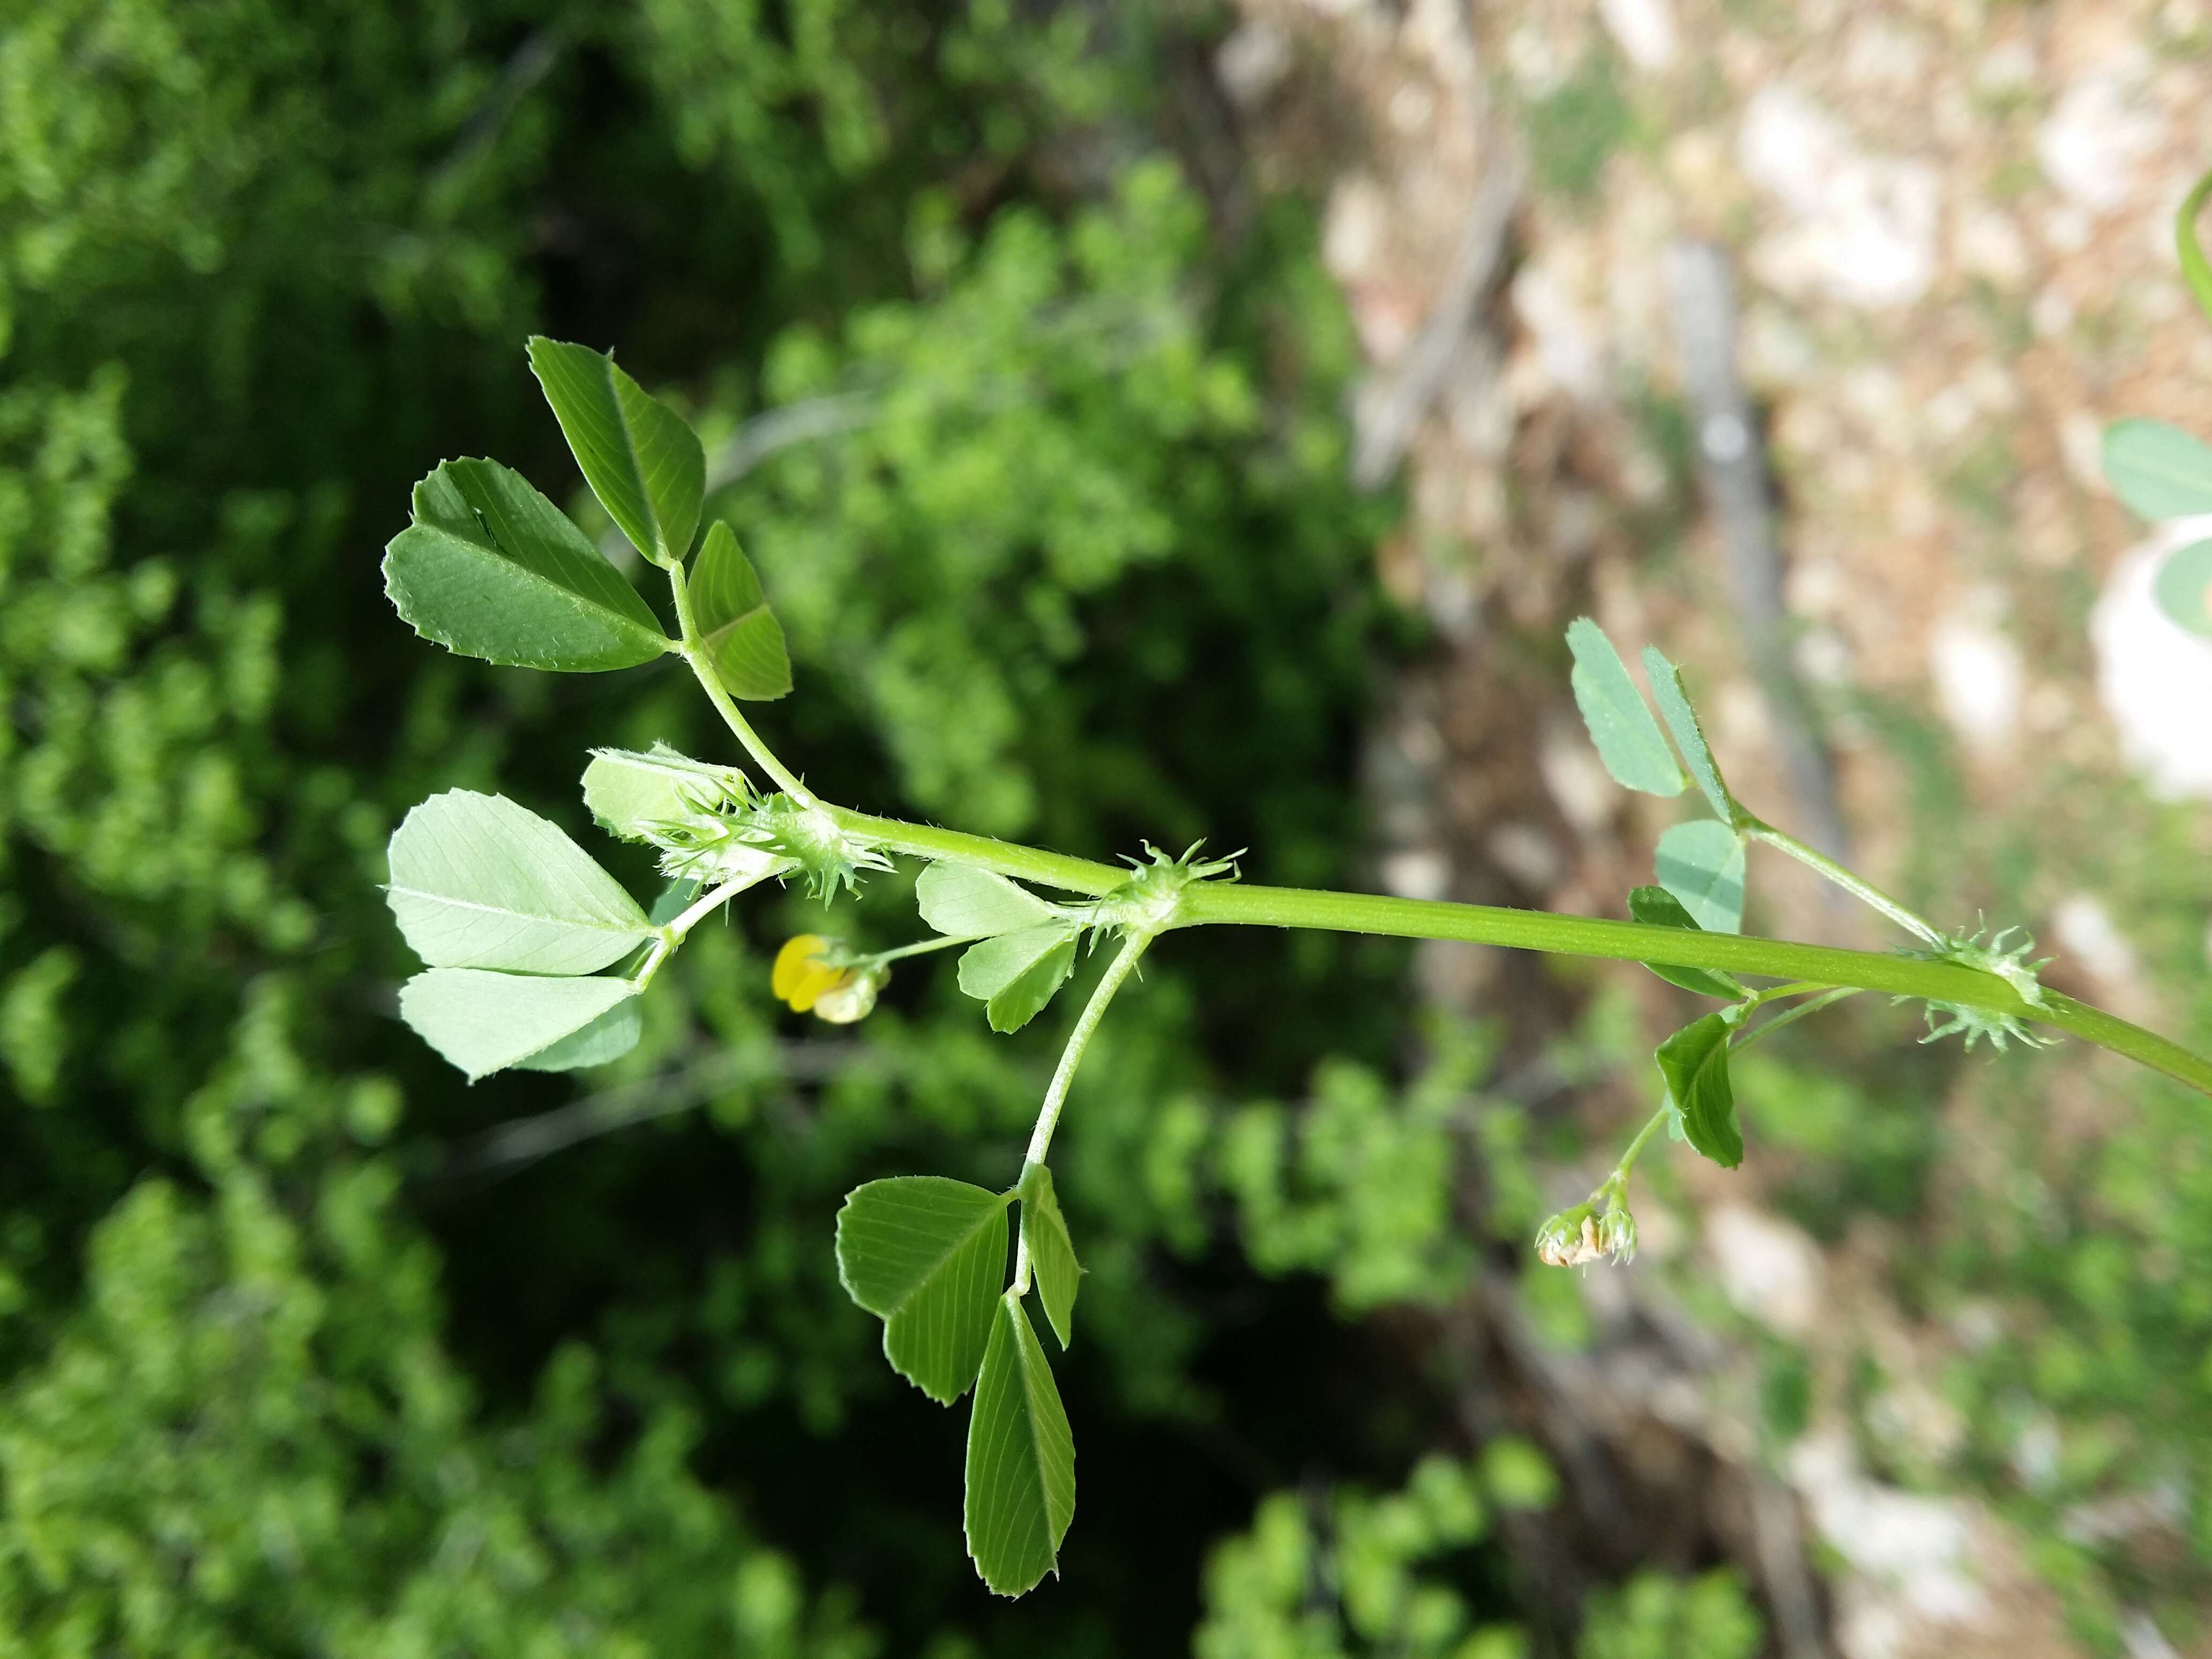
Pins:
x: 801, y: 977
x: 810, y: 985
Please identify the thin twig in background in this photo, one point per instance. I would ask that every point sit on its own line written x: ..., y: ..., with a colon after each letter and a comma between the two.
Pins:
x: 1732, y: 467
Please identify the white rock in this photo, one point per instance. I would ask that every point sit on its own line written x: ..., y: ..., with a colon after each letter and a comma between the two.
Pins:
x: 1643, y: 29
x: 1863, y: 228
x: 1255, y: 60
x: 2092, y: 144
x: 1978, y: 675
x: 1566, y: 343
x: 2154, y: 677
x: 1912, y: 1554
x: 2083, y: 929
x: 1768, y: 1268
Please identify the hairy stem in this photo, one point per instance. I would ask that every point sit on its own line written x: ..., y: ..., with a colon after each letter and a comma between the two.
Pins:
x: 1629, y: 941
x: 702, y: 669
x: 1618, y: 1181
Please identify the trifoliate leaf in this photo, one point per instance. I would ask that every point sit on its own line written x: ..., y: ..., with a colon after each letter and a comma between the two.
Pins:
x: 2159, y: 470
x: 640, y: 457
x: 1021, y: 1460
x: 927, y: 1256
x: 1655, y: 907
x: 742, y: 636
x: 609, y: 1038
x: 1701, y: 863
x: 1052, y: 1252
x: 1016, y: 975
x: 1628, y: 739
x: 2184, y: 588
x: 490, y: 568
x: 1689, y: 734
x: 485, y: 1022
x: 966, y: 903
x: 479, y: 882
x: 1694, y: 1062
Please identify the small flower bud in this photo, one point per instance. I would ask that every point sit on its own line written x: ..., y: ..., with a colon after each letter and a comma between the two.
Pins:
x: 1568, y: 1239
x: 1616, y: 1231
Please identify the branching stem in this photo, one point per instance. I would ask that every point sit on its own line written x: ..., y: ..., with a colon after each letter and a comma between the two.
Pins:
x: 1865, y: 891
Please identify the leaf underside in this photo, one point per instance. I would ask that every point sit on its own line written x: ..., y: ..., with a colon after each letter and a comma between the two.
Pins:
x: 1628, y: 739
x: 1016, y: 974
x: 742, y: 638
x: 490, y: 568
x: 927, y: 1256
x: 480, y: 882
x: 1702, y: 863
x: 2159, y: 470
x: 1021, y: 1460
x: 640, y: 457
x: 1655, y: 907
x: 1052, y: 1252
x: 965, y: 902
x: 1694, y: 1062
x: 1689, y: 732
x: 484, y: 1022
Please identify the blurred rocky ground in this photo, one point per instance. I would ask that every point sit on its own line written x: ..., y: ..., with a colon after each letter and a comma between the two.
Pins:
x: 1943, y: 235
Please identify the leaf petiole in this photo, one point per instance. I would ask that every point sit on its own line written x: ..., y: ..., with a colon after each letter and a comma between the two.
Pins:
x: 1865, y: 891
x: 696, y: 653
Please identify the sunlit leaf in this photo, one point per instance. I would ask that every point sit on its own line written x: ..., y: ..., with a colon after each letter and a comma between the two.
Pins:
x: 742, y: 636
x: 490, y: 568
x: 1021, y: 1460
x: 927, y: 1256
x: 1628, y: 739
x: 641, y: 796
x: 640, y: 457
x: 1655, y: 907
x: 965, y: 902
x: 2159, y: 469
x: 1052, y: 1252
x: 1694, y: 1062
x: 2185, y: 588
x: 485, y: 1022
x: 610, y: 1037
x: 1701, y: 863
x: 1689, y: 732
x: 479, y: 882
x: 1016, y: 975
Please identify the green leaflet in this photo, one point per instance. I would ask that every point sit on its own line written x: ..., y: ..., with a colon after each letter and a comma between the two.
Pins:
x: 2196, y: 269
x: 1628, y: 739
x: 1021, y: 1460
x: 2185, y: 588
x: 1694, y: 1062
x: 610, y: 1037
x: 1655, y: 906
x: 640, y: 457
x: 1689, y: 734
x: 479, y: 882
x: 741, y: 635
x: 485, y: 1022
x: 1702, y: 863
x: 1016, y: 974
x: 1052, y: 1252
x: 490, y: 568
x: 927, y: 1256
x: 966, y: 903
x: 2158, y: 470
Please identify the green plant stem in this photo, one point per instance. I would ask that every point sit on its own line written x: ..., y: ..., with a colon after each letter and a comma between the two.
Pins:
x: 1865, y: 891
x: 1630, y: 941
x: 1745, y: 1038
x: 1063, y: 1075
x: 1618, y: 1181
x: 922, y: 948
x: 702, y: 669
x: 926, y: 840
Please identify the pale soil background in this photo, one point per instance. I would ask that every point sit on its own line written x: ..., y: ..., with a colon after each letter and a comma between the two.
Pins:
x: 1950, y: 226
